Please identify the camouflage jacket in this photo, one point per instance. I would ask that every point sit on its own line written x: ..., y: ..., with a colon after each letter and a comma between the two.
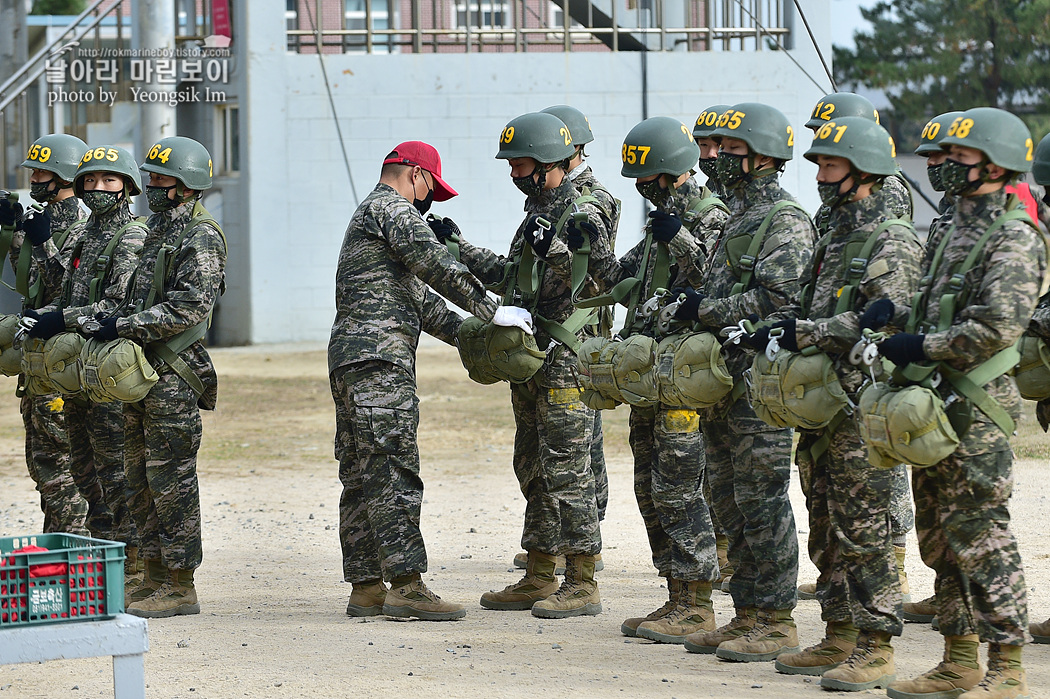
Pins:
x: 584, y: 180
x: 48, y: 261
x: 554, y: 298
x: 686, y: 248
x: 892, y: 272
x: 895, y: 192
x: 191, y: 288
x: 95, y: 233
x: 388, y: 257
x: 1001, y: 291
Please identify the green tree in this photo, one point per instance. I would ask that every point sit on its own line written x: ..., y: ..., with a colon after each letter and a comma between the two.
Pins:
x: 58, y: 7
x: 932, y: 56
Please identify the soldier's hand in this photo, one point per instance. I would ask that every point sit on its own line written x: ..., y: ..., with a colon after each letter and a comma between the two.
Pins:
x: 903, y: 348
x: 787, y: 339
x: 877, y: 314
x: 48, y: 325
x: 574, y: 233
x: 688, y: 307
x: 10, y: 212
x: 539, y: 234
x: 758, y: 339
x: 443, y: 228
x: 513, y: 317
x: 37, y: 227
x: 107, y: 331
x: 664, y: 226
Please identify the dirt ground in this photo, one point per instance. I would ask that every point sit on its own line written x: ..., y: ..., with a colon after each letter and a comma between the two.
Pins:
x: 271, y: 590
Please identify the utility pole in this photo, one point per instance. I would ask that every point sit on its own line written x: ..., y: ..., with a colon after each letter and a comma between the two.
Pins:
x: 154, y: 32
x: 14, y: 52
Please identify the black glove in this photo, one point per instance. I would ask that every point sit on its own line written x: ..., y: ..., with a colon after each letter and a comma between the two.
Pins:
x: 903, y: 348
x: 877, y: 314
x: 31, y: 313
x: 539, y: 238
x: 664, y: 226
x: 574, y: 233
x: 787, y: 339
x: 10, y: 212
x: 108, y: 331
x: 758, y: 339
x: 687, y: 309
x: 37, y: 227
x: 48, y: 325
x: 443, y: 227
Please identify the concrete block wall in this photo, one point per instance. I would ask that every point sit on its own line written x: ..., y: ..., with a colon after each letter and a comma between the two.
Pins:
x: 300, y: 198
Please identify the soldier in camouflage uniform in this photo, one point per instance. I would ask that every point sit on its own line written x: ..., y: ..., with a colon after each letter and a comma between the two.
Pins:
x: 583, y: 179
x: 961, y: 503
x: 705, y: 125
x: 173, y: 288
x: 553, y: 427
x: 35, y: 244
x: 106, y: 180
x: 388, y: 258
x: 848, y: 498
x: 748, y: 461
x: 659, y: 153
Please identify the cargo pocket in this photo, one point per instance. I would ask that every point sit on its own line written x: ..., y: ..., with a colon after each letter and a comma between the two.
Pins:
x: 384, y: 430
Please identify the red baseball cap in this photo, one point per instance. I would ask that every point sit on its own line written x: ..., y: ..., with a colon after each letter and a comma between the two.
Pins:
x: 425, y: 156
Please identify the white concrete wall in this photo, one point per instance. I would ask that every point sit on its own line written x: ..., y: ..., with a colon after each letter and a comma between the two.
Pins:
x: 300, y: 199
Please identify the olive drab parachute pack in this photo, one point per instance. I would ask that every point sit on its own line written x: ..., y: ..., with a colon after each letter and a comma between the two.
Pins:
x: 1032, y: 373
x: 492, y: 353
x: 618, y: 371
x: 10, y: 356
x: 53, y: 365
x: 907, y: 421
x: 115, y: 371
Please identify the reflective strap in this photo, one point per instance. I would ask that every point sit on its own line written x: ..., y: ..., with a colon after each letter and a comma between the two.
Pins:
x: 751, y: 256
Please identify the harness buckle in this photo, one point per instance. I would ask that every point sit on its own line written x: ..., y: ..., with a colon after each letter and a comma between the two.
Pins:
x: 955, y: 283
x: 857, y: 265
x: 747, y: 262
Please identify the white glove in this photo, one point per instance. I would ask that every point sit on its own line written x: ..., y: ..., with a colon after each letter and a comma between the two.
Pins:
x: 513, y: 317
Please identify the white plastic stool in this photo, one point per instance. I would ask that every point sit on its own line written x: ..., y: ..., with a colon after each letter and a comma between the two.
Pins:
x: 124, y: 637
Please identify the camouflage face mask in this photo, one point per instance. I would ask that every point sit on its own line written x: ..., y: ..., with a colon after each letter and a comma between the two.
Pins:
x: 653, y: 192
x: 158, y: 198
x: 709, y: 166
x: 41, y: 191
x: 954, y: 176
x: 529, y: 186
x: 101, y: 202
x: 936, y: 180
x: 730, y: 168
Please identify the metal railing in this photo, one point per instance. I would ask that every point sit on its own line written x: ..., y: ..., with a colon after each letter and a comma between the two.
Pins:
x: 458, y: 26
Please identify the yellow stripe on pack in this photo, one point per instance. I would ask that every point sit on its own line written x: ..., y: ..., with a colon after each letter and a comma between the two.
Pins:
x: 563, y: 396
x: 681, y: 421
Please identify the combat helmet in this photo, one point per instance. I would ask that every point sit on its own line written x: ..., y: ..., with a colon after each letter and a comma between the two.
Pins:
x: 59, y: 153
x: 579, y: 126
x: 935, y: 130
x: 109, y: 159
x: 708, y: 120
x: 1041, y: 165
x: 1001, y: 136
x: 543, y: 137
x: 182, y: 158
x: 764, y: 129
x: 658, y: 146
x: 842, y: 104
x: 867, y: 146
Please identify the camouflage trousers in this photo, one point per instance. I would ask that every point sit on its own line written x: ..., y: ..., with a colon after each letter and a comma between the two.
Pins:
x: 47, y: 457
x: 963, y: 523
x: 163, y: 435
x: 849, y: 532
x: 749, y: 465
x: 902, y: 516
x: 96, y: 448
x: 601, y: 476
x: 668, y: 473
x: 552, y: 444
x: 376, y: 418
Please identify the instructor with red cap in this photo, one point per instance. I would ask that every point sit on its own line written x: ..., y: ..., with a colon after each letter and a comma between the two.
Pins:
x: 390, y: 265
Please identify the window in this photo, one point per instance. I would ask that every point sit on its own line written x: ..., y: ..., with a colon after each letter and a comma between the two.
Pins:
x: 355, y: 18
x: 483, y: 15
x: 229, y: 140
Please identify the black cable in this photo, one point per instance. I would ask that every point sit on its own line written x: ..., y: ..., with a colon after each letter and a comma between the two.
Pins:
x: 331, y: 101
x: 917, y: 188
x: 813, y: 40
x: 781, y: 46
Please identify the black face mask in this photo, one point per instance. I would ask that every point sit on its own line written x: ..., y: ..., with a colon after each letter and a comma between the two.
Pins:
x: 158, y: 198
x: 652, y: 191
x: 423, y: 205
x: 933, y: 172
x: 709, y: 166
x: 41, y: 191
x: 831, y: 194
x: 532, y: 187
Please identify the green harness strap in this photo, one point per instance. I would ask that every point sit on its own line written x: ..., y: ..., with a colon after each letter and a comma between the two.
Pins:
x: 168, y: 350
x: 820, y: 447
x: 748, y: 260
x: 969, y: 384
x: 102, y: 264
x: 34, y: 293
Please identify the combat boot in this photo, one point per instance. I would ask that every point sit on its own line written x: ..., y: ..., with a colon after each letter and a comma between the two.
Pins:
x: 409, y: 597
x: 578, y: 594
x: 1005, y: 678
x: 1040, y: 632
x: 708, y: 641
x: 176, y: 596
x: 807, y: 591
x: 725, y: 569
x: 774, y: 633
x: 521, y: 560
x: 900, y: 553
x: 840, y: 639
x: 367, y: 598
x: 958, y: 671
x: 539, y: 583
x: 921, y: 612
x: 154, y: 575
x: 870, y: 665
x: 629, y: 627
x: 694, y: 613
